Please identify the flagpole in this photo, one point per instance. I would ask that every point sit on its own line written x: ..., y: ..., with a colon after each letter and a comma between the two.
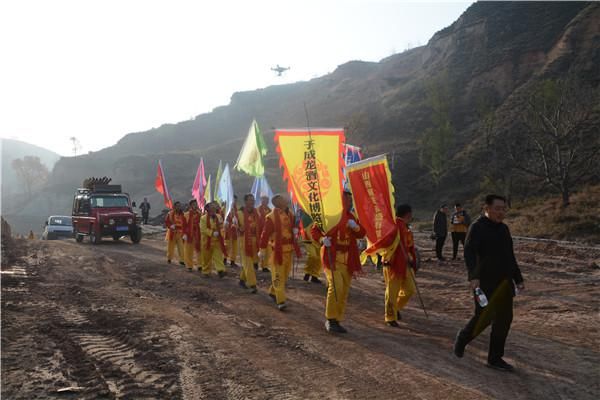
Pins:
x: 327, y: 249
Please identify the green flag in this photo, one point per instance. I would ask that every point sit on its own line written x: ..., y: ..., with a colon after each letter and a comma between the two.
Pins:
x: 219, y: 173
x: 251, y: 156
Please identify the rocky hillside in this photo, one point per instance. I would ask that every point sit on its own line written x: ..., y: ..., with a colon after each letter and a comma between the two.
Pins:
x: 492, y: 52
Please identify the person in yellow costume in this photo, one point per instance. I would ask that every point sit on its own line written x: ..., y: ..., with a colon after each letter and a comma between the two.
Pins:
x: 340, y: 248
x: 399, y: 271
x: 314, y: 266
x: 278, y: 233
x: 213, y: 246
x: 193, y: 243
x: 176, y: 226
x: 263, y: 211
x: 249, y: 227
x: 231, y: 225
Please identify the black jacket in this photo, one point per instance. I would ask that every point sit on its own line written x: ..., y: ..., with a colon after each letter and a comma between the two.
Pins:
x: 489, y: 254
x: 440, y: 224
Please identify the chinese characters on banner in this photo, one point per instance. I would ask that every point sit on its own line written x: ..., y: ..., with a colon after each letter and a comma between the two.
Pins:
x: 312, y: 163
x: 370, y: 182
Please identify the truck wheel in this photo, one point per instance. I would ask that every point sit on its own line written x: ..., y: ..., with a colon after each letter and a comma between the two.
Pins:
x: 136, y: 236
x: 94, y: 239
x: 78, y: 237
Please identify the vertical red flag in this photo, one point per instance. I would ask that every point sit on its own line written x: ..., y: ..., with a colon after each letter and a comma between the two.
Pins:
x: 160, y: 183
x: 199, y: 186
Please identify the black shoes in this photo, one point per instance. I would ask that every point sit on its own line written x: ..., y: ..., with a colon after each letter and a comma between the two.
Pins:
x: 253, y: 290
x: 265, y: 269
x: 181, y: 263
x: 221, y: 274
x: 255, y: 266
x: 500, y: 365
x: 333, y: 326
x: 459, y: 346
x: 393, y: 324
x: 273, y: 297
x: 398, y: 316
x: 306, y: 277
x: 169, y: 261
x: 242, y: 284
x: 314, y: 279
x: 281, y: 306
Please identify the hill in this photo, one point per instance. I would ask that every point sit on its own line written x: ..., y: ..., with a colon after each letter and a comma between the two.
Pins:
x: 491, y: 55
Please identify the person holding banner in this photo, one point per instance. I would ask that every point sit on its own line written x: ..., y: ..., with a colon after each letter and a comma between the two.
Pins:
x: 399, y: 281
x: 213, y: 246
x: 231, y: 226
x: 176, y: 228
x: 249, y: 228
x: 193, y: 237
x: 341, y: 260
x: 314, y: 267
x: 263, y: 211
x: 278, y: 233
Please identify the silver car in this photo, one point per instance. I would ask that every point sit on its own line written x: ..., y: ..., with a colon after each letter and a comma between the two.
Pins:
x: 57, y: 227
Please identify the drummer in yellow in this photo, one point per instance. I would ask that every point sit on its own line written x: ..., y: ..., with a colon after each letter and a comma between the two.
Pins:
x: 213, y: 246
x: 249, y: 227
x: 192, y: 236
x: 278, y: 233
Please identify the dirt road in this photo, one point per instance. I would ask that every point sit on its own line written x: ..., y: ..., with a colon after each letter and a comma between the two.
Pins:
x: 116, y: 321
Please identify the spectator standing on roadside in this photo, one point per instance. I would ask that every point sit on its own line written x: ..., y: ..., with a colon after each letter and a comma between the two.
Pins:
x: 440, y: 230
x: 145, y: 208
x: 459, y: 224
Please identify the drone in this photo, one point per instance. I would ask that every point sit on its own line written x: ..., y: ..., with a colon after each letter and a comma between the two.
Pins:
x: 280, y: 69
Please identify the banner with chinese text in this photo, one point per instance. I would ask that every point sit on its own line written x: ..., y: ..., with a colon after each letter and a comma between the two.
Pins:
x: 312, y: 163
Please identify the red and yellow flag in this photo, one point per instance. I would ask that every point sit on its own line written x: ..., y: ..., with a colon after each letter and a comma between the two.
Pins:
x: 373, y: 192
x: 160, y: 183
x: 312, y: 163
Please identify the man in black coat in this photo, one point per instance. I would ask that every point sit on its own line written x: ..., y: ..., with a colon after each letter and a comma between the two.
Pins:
x: 440, y: 230
x: 491, y: 266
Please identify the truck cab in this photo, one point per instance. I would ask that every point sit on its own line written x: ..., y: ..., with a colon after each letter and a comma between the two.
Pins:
x: 101, y: 210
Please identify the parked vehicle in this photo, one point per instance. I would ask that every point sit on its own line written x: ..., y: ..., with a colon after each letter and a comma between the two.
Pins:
x: 101, y: 210
x: 57, y: 227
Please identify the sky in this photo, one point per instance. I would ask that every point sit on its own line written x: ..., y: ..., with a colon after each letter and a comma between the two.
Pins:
x: 97, y: 70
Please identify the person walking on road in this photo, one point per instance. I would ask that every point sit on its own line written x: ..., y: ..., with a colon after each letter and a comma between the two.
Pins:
x: 145, y: 208
x: 493, y: 270
x: 459, y: 224
x: 176, y: 228
x: 440, y: 230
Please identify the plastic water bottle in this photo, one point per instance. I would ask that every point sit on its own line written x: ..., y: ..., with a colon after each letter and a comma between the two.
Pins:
x: 480, y: 297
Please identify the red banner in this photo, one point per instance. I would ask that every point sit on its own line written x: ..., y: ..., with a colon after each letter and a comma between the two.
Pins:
x: 373, y: 194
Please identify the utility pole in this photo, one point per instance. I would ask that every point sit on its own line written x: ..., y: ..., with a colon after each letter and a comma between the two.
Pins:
x: 76, y: 145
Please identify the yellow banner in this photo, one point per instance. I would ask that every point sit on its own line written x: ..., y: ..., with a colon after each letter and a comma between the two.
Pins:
x: 312, y: 163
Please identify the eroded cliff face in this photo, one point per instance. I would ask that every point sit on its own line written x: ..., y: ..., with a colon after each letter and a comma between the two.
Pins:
x: 492, y: 52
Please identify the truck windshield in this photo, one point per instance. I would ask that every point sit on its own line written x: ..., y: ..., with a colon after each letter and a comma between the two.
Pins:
x: 109, y: 201
x: 62, y: 221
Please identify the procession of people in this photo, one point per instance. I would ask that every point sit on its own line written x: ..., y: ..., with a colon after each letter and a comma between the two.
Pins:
x: 333, y: 220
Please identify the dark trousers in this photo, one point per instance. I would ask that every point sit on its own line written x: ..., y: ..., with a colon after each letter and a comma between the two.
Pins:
x: 145, y: 218
x: 457, y: 237
x: 439, y: 245
x: 498, y: 313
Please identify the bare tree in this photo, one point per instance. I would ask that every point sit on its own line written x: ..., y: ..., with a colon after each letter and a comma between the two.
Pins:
x: 31, y: 172
x: 559, y: 143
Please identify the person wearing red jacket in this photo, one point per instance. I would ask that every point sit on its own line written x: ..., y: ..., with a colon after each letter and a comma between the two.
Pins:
x: 250, y: 230
x: 263, y: 211
x: 399, y: 282
x: 176, y: 227
x: 193, y: 236
x: 341, y: 259
x: 279, y: 233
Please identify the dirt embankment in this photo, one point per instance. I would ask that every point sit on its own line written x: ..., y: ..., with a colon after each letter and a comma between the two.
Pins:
x: 115, y: 321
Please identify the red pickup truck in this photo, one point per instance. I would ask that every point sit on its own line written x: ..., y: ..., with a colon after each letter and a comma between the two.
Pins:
x: 101, y: 210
